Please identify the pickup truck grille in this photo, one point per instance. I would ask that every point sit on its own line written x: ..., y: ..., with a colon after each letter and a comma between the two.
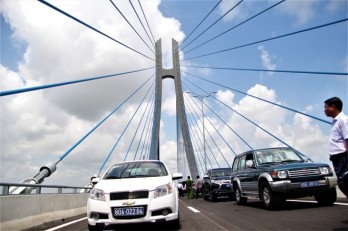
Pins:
x: 304, y: 172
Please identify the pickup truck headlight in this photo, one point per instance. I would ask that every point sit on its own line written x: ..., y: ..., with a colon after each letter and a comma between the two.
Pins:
x: 97, y: 194
x: 163, y: 190
x: 325, y: 170
x: 280, y: 174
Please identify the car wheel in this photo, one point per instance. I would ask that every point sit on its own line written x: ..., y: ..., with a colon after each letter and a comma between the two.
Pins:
x: 270, y: 199
x: 94, y: 227
x: 205, y: 196
x: 212, y: 197
x: 327, y: 197
x: 240, y: 200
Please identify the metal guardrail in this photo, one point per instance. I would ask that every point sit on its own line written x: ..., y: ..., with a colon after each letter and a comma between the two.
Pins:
x: 6, y: 187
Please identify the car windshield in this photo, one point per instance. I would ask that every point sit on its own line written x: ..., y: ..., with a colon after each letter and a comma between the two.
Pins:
x: 276, y: 156
x: 221, y: 173
x: 136, y: 169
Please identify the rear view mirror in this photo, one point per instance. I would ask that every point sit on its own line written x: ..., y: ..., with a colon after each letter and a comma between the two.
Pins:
x: 95, y: 180
x: 176, y: 176
x: 250, y: 164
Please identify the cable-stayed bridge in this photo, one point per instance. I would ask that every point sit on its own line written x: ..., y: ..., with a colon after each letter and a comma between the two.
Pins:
x: 215, y: 118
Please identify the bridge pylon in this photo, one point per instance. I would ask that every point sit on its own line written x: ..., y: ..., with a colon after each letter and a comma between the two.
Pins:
x: 182, y: 125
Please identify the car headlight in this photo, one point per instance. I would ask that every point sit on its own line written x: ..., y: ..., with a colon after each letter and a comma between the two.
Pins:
x: 324, y: 170
x: 280, y: 174
x: 163, y: 190
x: 97, y: 194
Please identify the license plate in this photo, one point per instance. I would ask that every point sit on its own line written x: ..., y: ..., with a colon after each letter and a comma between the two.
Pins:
x: 309, y: 184
x: 132, y: 211
x: 228, y: 185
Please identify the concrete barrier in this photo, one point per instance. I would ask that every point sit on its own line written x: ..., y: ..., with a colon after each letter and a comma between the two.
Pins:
x: 20, y: 212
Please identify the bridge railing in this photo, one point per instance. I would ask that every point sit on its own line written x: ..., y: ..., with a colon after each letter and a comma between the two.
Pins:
x: 41, y: 189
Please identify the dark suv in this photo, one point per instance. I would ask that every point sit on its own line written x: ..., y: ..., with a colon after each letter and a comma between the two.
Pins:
x: 217, y: 183
x: 276, y: 174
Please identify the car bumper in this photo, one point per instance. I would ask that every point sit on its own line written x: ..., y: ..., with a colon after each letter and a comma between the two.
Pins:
x: 154, y: 207
x: 286, y: 185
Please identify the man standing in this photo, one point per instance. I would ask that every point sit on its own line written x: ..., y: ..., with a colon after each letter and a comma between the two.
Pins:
x: 199, y: 184
x: 189, y: 187
x: 338, y: 145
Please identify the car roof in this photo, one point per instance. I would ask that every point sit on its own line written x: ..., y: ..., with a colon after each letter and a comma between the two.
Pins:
x: 262, y: 149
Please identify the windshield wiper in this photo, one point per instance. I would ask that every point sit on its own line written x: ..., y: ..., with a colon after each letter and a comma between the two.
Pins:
x: 285, y: 161
x: 269, y: 163
x: 112, y: 177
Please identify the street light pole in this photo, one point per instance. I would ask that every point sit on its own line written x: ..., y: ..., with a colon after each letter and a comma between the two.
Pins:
x: 201, y: 97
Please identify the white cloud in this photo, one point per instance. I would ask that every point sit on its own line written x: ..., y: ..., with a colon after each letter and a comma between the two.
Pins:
x: 266, y: 59
x: 303, y: 11
x: 40, y: 126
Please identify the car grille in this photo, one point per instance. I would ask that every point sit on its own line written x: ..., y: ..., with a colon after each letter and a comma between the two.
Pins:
x: 129, y: 195
x: 304, y: 172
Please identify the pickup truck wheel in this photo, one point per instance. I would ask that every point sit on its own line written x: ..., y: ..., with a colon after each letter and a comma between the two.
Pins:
x: 205, y: 196
x: 270, y: 199
x: 212, y: 197
x: 327, y: 197
x: 240, y: 200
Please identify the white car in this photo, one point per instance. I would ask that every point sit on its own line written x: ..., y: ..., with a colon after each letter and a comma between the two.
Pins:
x: 134, y: 192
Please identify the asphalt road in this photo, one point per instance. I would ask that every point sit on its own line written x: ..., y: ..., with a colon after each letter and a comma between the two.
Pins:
x: 200, y: 215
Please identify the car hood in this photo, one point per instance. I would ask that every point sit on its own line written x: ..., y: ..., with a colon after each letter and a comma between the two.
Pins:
x: 132, y: 184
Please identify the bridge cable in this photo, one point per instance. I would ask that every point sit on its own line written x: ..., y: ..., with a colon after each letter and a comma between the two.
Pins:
x: 142, y: 117
x: 22, y: 90
x: 102, y: 121
x: 269, y: 70
x: 194, y: 133
x: 249, y: 120
x: 92, y: 28
x: 145, y: 126
x: 147, y: 139
x: 124, y: 17
x: 269, y: 39
x: 224, y: 123
x: 146, y: 21
x: 211, y: 151
x: 209, y: 132
x: 200, y: 22
x: 141, y: 23
x: 213, y: 24
x: 264, y: 100
x: 124, y: 130
x: 235, y: 26
x: 146, y: 144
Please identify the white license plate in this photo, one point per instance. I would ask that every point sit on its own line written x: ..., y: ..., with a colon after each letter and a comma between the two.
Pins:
x: 309, y: 184
x: 132, y: 211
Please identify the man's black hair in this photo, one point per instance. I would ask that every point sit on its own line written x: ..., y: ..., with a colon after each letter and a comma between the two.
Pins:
x: 337, y: 102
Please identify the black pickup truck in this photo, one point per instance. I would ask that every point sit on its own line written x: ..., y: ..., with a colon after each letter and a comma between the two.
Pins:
x: 217, y: 183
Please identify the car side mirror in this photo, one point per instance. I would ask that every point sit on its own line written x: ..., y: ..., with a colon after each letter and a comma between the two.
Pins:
x: 176, y: 176
x: 250, y: 164
x: 95, y: 180
x: 205, y: 177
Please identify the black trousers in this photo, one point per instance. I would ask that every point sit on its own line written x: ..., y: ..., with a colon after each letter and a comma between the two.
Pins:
x: 340, y: 164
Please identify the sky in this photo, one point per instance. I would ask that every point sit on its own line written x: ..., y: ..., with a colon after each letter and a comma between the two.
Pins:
x: 41, y: 46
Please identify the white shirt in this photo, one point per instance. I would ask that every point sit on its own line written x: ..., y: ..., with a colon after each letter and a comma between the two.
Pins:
x: 339, y: 133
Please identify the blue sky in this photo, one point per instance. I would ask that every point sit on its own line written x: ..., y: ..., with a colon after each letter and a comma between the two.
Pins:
x: 41, y: 46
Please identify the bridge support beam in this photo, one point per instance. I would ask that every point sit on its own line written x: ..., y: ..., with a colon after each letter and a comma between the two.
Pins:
x: 173, y: 73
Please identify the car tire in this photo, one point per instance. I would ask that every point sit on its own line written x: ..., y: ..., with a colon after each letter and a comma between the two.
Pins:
x: 205, y: 196
x: 327, y: 197
x: 240, y: 200
x: 212, y: 197
x: 94, y: 227
x: 270, y: 199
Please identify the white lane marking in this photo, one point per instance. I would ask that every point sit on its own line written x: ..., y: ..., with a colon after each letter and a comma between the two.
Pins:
x: 336, y: 203
x: 66, y: 224
x: 193, y: 209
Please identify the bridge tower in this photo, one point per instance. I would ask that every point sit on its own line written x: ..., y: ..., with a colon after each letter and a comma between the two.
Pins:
x: 183, y: 137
